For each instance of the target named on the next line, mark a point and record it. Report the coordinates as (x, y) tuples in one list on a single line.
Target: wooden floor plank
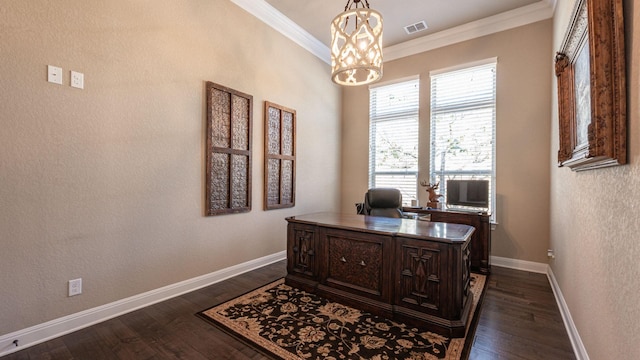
[(519, 320), (53, 349), (86, 344), (124, 342), (159, 337)]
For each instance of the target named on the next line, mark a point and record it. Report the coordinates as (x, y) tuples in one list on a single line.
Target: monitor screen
[(473, 193)]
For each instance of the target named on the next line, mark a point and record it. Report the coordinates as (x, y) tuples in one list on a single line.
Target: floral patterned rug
[(292, 324)]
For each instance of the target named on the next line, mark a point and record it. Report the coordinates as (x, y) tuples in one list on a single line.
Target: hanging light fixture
[(356, 45)]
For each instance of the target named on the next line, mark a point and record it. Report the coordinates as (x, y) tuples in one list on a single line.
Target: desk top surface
[(418, 229)]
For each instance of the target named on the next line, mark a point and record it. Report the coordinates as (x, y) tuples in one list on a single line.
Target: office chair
[(385, 202)]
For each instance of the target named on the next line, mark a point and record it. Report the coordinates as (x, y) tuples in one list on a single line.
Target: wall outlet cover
[(75, 287), (77, 79)]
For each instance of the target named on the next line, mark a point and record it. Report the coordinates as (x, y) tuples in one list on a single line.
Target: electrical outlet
[(75, 287), (77, 79), (551, 254)]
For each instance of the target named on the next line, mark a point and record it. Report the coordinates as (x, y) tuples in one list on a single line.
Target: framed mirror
[(590, 70)]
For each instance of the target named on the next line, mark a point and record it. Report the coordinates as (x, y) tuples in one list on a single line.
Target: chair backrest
[(384, 202)]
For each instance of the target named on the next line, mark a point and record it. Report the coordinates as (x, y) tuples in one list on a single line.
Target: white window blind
[(393, 137), (463, 126)]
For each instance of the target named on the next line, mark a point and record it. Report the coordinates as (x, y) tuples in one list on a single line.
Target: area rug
[(288, 323)]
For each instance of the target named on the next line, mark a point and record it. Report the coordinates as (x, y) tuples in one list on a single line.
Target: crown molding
[(525, 15), (272, 17)]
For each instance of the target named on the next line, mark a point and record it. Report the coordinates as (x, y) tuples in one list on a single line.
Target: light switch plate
[(77, 79), (54, 74)]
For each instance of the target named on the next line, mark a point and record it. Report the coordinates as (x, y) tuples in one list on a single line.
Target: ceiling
[(448, 21)]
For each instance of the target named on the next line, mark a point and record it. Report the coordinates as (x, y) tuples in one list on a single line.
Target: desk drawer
[(358, 263)]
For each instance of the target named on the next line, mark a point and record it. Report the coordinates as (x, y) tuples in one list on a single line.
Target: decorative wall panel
[(280, 159), (228, 178)]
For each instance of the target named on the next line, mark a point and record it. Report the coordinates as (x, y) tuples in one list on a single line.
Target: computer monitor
[(471, 193)]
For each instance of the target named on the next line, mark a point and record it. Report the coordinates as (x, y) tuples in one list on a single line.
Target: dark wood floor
[(519, 319)]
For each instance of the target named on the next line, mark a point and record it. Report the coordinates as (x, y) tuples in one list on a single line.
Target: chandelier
[(356, 45)]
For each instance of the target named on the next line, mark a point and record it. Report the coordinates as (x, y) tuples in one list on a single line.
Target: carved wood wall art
[(590, 71), (280, 156), (228, 178)]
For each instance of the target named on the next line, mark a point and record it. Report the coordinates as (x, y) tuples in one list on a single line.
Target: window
[(393, 137), (463, 126)]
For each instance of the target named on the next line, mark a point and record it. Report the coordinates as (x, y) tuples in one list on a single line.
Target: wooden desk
[(480, 240), (413, 271)]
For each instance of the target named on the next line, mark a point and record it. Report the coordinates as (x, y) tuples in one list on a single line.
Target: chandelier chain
[(351, 2)]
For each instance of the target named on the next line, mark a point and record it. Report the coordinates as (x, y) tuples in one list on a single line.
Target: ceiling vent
[(414, 28)]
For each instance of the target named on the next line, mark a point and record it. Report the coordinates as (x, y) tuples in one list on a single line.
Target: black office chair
[(385, 202)]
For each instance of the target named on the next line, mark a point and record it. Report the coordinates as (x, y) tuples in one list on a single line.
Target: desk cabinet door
[(422, 282), (480, 240), (302, 250)]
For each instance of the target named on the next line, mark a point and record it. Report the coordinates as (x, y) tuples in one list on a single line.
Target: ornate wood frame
[(590, 69), (229, 136), (279, 156)]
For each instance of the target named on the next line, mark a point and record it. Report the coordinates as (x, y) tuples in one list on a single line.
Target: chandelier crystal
[(356, 45)]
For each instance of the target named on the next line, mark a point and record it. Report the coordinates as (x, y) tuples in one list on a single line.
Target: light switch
[(77, 80), (54, 74)]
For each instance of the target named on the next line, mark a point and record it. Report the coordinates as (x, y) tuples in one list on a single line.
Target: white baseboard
[(517, 264), (576, 342), (64, 325)]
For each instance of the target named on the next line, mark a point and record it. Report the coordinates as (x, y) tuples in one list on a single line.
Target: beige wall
[(106, 183), (523, 120), (595, 224)]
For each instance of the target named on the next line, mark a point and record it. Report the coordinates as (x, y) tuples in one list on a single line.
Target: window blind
[(463, 126), (393, 137)]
